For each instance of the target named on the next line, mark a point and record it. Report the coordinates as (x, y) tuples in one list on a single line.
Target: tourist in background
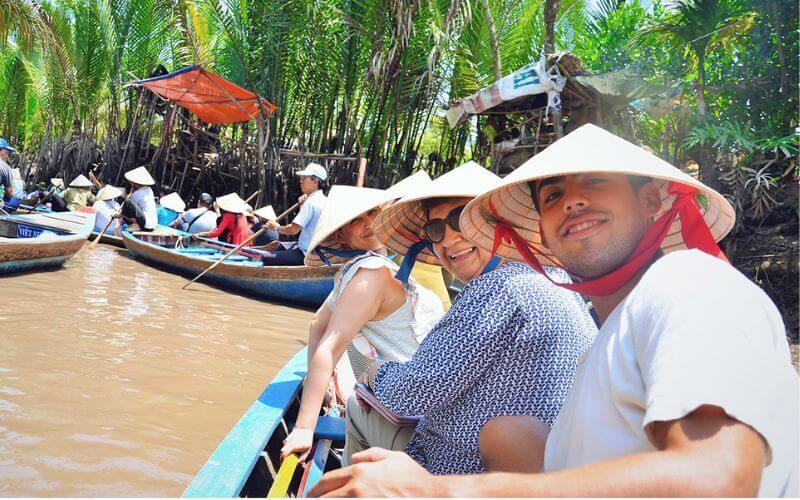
[(140, 205), (106, 207), (201, 219), (312, 183), (232, 227)]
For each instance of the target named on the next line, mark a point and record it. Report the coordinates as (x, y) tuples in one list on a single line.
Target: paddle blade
[(283, 478)]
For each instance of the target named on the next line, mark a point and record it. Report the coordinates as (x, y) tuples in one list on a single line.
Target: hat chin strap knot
[(694, 230)]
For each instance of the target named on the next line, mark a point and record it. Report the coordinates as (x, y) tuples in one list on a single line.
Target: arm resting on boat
[(706, 453), (357, 305)]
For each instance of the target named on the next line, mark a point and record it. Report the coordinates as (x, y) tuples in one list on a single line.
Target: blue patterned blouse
[(508, 346)]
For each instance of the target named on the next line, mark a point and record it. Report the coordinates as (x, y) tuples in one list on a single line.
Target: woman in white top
[(369, 313), (106, 207)]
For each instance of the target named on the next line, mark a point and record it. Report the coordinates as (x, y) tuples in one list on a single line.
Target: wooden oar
[(252, 196), (239, 246), (280, 486)]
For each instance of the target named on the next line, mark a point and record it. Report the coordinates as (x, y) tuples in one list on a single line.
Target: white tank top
[(397, 336)]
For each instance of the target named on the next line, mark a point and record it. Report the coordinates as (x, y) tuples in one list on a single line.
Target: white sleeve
[(705, 335), (304, 215)]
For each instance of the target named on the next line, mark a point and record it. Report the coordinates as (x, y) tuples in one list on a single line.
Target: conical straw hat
[(232, 203), (344, 203), (399, 226), (16, 174), (409, 185), (80, 182), (109, 192), (140, 176), (57, 182), (587, 149), (174, 202), (266, 212)]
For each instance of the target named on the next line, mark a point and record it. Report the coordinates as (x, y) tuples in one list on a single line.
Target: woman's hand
[(299, 441)]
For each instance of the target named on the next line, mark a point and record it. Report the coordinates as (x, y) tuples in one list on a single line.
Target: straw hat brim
[(109, 193), (140, 176), (266, 212), (232, 203), (173, 202), (343, 205), (400, 225), (80, 182), (587, 150)]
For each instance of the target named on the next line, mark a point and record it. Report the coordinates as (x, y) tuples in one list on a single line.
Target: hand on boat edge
[(299, 442)]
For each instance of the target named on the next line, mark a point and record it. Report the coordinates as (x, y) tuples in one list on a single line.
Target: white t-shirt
[(307, 218), (693, 332), (105, 211), (202, 220), (144, 198)]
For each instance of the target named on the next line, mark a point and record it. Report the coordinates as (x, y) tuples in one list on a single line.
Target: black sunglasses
[(435, 228)]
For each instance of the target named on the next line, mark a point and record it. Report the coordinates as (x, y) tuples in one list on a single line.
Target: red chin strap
[(694, 230)]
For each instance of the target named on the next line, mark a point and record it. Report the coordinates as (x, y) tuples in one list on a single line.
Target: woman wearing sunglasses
[(508, 346)]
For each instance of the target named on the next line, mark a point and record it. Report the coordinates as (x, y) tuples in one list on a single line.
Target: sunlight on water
[(115, 382)]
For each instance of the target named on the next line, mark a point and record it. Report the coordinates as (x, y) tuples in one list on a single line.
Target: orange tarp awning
[(212, 98)]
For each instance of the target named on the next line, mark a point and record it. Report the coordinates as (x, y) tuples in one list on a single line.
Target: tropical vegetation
[(370, 78)]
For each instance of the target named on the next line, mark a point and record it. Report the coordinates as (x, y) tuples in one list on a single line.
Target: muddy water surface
[(115, 382)]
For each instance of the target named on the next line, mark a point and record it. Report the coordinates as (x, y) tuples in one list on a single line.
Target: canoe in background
[(38, 241), (247, 461), (243, 271)]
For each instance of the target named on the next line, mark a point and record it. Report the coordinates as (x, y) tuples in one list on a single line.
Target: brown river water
[(115, 382)]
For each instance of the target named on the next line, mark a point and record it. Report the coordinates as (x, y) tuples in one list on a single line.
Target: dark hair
[(636, 182)]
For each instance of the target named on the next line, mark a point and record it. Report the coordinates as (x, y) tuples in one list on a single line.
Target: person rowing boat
[(140, 205)]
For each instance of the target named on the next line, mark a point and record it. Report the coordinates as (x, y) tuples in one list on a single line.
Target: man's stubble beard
[(592, 262)]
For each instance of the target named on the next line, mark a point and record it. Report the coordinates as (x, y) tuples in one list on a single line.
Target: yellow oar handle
[(280, 487)]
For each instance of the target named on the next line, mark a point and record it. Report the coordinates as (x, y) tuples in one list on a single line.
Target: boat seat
[(332, 428)]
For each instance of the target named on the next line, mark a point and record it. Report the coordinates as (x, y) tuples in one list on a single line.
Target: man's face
[(592, 222), (359, 234), (307, 184), (4, 154), (457, 254)]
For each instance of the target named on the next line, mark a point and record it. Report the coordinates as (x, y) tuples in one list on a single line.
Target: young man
[(688, 389), (312, 180), (508, 346)]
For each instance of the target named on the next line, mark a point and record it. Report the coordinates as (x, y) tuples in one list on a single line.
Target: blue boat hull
[(296, 284)]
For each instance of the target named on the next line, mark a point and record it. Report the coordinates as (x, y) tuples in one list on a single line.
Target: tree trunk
[(498, 68), (550, 14), (779, 45), (700, 86)]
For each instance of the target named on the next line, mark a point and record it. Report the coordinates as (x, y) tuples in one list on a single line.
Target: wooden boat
[(243, 271), (35, 241), (247, 461)]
